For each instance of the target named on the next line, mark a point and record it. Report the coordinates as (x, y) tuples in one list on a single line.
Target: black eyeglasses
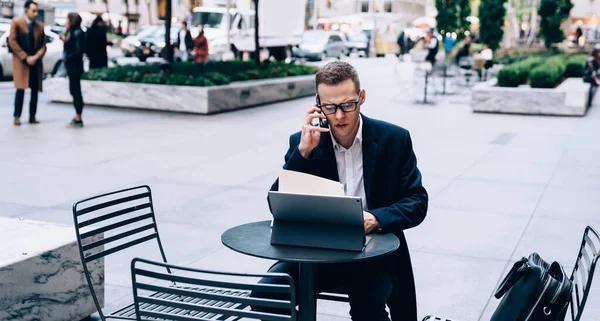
[(330, 109)]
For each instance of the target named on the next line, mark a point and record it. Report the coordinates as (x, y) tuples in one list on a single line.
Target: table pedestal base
[(307, 299)]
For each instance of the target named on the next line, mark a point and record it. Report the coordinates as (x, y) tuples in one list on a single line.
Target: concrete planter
[(187, 99), (568, 99)]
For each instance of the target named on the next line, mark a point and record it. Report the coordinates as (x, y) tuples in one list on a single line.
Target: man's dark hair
[(28, 3), (335, 73), (184, 23)]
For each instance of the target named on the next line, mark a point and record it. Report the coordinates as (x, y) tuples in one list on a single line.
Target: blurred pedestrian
[(27, 42), (401, 45), (74, 40), (96, 42), (591, 72), (184, 43), (464, 51), (432, 46), (200, 47), (578, 34)]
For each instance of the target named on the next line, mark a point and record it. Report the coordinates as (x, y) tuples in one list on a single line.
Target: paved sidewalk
[(501, 186)]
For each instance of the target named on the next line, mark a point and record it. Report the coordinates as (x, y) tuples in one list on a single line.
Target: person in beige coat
[(27, 42)]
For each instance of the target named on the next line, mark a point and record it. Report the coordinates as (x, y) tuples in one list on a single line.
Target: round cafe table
[(254, 239)]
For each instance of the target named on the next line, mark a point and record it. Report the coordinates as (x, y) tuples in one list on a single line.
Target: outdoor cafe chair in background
[(110, 223), (582, 275), (192, 294)]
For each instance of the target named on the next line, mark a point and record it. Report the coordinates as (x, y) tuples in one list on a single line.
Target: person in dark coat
[(74, 40), (432, 47), (95, 44), (401, 45), (184, 43), (374, 160)]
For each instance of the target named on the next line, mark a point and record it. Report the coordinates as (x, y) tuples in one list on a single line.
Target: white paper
[(301, 183)]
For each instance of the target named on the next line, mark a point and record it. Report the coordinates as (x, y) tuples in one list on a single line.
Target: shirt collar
[(358, 138), (27, 20)]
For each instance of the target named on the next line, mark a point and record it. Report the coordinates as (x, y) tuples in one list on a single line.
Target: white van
[(281, 26)]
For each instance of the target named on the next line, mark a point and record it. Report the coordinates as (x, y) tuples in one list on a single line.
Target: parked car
[(51, 60), (129, 43), (358, 42), (151, 43), (320, 44)]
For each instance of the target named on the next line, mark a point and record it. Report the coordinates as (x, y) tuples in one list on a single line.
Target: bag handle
[(517, 271)]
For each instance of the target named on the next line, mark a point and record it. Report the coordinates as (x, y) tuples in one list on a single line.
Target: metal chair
[(171, 296), (582, 275), (110, 223)]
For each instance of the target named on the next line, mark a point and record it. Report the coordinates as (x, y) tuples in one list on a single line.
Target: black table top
[(254, 239)]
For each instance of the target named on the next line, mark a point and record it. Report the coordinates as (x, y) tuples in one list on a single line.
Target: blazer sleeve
[(42, 51), (294, 161), (411, 207), (14, 44)]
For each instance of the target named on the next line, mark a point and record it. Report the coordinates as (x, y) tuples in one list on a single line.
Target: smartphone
[(322, 123)]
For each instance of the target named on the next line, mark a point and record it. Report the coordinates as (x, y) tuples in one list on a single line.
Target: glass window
[(208, 19), (336, 38), (387, 6), (364, 6)]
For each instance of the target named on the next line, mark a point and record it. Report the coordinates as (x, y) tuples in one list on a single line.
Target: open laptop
[(330, 222)]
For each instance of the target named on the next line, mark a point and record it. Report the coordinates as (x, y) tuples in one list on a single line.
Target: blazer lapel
[(369, 156)]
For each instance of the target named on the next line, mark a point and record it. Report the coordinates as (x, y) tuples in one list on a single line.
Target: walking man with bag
[(27, 42)]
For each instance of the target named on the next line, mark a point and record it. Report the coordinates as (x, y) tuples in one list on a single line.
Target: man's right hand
[(31, 60), (311, 135)]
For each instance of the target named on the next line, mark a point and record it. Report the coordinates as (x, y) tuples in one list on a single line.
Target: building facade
[(138, 12), (383, 12)]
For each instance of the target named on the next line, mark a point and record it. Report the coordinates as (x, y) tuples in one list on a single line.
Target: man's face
[(183, 27), (32, 12), (342, 124)]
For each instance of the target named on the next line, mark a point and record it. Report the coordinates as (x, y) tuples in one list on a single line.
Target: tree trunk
[(256, 42)]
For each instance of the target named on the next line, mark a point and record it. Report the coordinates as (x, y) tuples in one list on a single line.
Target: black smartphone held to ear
[(322, 123)]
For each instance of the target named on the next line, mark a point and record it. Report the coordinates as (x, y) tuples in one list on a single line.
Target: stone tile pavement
[(501, 186)]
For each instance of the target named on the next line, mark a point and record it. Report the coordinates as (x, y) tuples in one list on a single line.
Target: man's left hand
[(371, 222)]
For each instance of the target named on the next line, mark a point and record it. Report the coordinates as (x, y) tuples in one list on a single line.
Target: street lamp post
[(169, 51)]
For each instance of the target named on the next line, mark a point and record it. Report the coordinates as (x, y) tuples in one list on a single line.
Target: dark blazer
[(73, 52), (393, 191)]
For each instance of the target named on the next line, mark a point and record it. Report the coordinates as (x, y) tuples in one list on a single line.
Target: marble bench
[(41, 276), (567, 99)]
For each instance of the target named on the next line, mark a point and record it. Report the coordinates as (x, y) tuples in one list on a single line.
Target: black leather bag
[(534, 290)]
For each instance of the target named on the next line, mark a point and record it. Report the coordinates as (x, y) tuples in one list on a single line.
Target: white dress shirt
[(350, 166), (182, 45), (487, 54)]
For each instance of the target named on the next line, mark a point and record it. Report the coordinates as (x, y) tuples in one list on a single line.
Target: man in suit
[(27, 41), (374, 160)]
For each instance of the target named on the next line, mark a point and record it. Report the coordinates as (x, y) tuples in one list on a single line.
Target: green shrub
[(191, 74), (575, 65), (549, 73), (517, 74)]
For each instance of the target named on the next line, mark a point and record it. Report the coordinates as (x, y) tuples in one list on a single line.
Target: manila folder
[(302, 183)]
